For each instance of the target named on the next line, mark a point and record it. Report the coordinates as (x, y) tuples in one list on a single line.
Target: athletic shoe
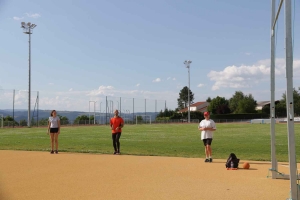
[(56, 151), (52, 152), (206, 160), (210, 160), (115, 153), (118, 153)]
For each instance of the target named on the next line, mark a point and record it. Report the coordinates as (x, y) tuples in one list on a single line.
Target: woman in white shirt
[(54, 129)]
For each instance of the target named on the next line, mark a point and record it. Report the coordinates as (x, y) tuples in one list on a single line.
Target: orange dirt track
[(42, 176)]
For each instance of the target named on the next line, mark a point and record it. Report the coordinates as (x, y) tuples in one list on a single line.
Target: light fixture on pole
[(27, 28), (187, 64)]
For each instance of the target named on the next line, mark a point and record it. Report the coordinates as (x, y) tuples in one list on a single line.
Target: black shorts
[(53, 130), (207, 141)]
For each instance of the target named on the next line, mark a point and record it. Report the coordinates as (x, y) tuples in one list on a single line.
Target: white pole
[(95, 112), (29, 80), (1, 120), (100, 114), (289, 99), (89, 112), (272, 104), (189, 111)]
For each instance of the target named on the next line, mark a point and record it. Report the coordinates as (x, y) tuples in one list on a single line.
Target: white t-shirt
[(54, 122), (207, 124)]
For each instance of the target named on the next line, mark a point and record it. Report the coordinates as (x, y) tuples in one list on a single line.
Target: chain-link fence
[(13, 102)]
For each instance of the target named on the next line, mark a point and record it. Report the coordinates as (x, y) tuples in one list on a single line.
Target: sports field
[(86, 169), (248, 141)]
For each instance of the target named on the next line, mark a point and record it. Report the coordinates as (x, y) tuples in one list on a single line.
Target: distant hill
[(71, 115)]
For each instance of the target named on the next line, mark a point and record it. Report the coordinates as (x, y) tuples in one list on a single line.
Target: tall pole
[(187, 63), (289, 99), (272, 104), (89, 112), (29, 82), (28, 30), (95, 112), (13, 108), (100, 114)]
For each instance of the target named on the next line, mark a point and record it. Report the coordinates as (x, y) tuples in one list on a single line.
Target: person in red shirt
[(116, 124)]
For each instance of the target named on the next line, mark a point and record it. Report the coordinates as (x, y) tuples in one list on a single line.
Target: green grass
[(248, 141)]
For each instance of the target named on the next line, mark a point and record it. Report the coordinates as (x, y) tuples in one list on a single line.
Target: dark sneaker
[(118, 153), (115, 153), (52, 152), (206, 160), (56, 151), (210, 160)]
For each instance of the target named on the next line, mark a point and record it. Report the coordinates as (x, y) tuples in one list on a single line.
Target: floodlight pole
[(28, 30), (187, 64)]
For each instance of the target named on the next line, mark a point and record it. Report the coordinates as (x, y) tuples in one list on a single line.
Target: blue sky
[(86, 50)]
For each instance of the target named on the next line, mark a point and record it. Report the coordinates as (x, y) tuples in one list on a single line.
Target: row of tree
[(239, 103)]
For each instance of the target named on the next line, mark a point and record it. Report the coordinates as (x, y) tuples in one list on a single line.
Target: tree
[(64, 119), (247, 105), (234, 100), (280, 109), (208, 99), (240, 103), (43, 122), (218, 105), (182, 101), (82, 119), (10, 120), (165, 113)]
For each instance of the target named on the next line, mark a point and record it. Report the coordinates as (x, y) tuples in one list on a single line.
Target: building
[(198, 106), (261, 104)]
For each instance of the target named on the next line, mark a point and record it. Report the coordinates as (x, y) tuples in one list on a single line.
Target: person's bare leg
[(52, 141), (56, 141)]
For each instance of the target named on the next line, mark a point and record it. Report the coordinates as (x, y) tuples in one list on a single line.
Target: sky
[(132, 52)]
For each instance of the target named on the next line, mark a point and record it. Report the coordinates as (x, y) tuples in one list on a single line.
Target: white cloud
[(102, 90), (71, 89), (200, 85), (33, 15), (156, 80), (174, 79), (137, 85), (246, 76), (18, 18)]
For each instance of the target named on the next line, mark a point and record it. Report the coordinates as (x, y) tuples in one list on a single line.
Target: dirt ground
[(42, 176)]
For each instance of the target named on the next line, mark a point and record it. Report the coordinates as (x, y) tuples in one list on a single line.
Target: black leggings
[(116, 142)]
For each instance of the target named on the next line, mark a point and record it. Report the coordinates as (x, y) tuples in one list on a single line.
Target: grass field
[(248, 141)]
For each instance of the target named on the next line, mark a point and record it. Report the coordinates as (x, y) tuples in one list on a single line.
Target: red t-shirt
[(116, 122)]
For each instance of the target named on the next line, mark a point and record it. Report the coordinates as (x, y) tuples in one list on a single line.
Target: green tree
[(234, 100), (82, 119), (246, 105), (280, 108), (10, 120), (23, 122), (63, 119), (218, 105), (43, 122), (208, 99), (240, 103), (182, 101)]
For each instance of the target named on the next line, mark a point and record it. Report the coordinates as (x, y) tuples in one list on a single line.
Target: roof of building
[(193, 105)]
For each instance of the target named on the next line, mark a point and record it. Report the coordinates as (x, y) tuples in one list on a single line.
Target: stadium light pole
[(27, 29), (187, 64)]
